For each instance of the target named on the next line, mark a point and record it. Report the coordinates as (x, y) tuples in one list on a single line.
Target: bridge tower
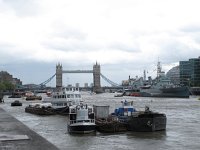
[(96, 78), (59, 75)]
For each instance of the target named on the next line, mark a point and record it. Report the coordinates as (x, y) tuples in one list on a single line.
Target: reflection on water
[(147, 135), (183, 119)]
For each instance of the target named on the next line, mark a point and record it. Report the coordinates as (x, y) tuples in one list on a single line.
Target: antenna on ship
[(144, 75), (159, 68)]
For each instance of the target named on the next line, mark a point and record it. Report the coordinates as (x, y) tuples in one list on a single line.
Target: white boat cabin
[(65, 97)]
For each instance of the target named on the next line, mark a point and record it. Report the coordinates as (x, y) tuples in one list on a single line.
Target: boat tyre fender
[(77, 107), (149, 123)]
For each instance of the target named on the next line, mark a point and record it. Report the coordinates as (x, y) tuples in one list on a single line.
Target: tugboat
[(16, 103), (140, 121), (81, 119)]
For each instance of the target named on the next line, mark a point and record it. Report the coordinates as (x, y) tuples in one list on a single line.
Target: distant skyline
[(125, 36)]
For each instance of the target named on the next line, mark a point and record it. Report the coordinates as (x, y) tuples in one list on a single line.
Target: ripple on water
[(183, 119)]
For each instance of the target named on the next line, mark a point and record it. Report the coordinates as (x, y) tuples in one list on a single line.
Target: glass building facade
[(174, 75), (190, 72)]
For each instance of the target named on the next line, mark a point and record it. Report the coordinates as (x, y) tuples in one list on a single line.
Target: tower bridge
[(96, 76)]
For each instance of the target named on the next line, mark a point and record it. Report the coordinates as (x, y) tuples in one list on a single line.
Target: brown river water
[(182, 132)]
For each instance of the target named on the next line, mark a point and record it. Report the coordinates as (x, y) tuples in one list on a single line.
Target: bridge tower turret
[(96, 77), (58, 75)]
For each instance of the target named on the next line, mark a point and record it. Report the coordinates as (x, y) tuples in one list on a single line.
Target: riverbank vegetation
[(6, 86)]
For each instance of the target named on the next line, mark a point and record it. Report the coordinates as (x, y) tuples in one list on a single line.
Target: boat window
[(59, 104), (72, 110), (63, 96), (54, 104), (89, 110), (71, 96), (68, 96), (77, 95), (83, 121)]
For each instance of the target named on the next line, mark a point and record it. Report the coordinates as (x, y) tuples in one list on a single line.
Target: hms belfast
[(161, 86)]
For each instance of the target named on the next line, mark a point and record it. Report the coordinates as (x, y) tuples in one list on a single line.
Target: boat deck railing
[(77, 121)]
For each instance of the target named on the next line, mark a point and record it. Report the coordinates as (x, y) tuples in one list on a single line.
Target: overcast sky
[(124, 36)]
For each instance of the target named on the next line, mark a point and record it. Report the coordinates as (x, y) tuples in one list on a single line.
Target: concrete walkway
[(14, 135)]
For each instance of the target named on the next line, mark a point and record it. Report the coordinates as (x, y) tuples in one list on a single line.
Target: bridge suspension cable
[(109, 81), (47, 81)]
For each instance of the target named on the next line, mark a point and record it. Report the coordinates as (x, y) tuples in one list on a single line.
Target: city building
[(77, 85), (5, 76), (190, 72), (86, 85), (174, 75)]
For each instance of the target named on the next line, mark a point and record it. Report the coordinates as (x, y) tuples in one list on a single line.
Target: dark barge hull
[(31, 98), (40, 111), (16, 104), (110, 127), (62, 110), (147, 123)]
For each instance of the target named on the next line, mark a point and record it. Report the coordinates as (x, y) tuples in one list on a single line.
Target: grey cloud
[(174, 51), (193, 31), (70, 34), (23, 8), (5, 52), (67, 39), (68, 45), (191, 28), (124, 47)]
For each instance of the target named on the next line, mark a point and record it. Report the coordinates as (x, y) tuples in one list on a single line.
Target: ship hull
[(147, 123), (110, 126), (40, 111), (81, 128), (176, 92)]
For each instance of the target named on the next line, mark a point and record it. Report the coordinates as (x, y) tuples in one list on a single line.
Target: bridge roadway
[(14, 135), (77, 71)]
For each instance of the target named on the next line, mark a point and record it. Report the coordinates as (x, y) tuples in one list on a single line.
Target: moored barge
[(141, 121), (146, 121), (40, 109)]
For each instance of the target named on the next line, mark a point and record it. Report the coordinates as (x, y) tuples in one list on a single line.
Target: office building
[(190, 72)]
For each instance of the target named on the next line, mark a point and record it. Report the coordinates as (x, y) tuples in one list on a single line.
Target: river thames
[(182, 132)]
